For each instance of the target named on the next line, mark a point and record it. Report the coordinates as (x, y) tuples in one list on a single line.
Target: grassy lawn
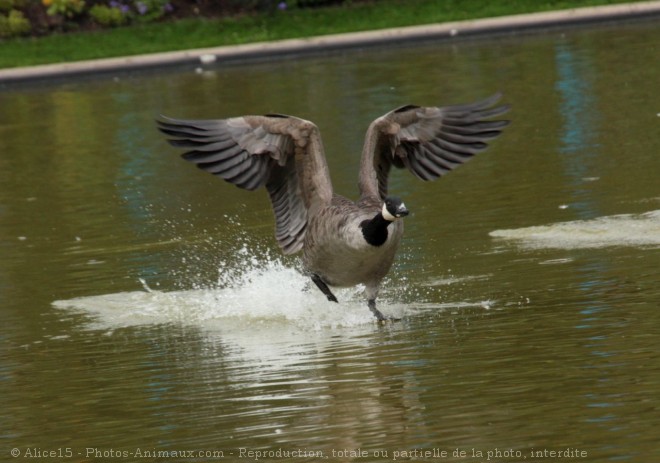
[(295, 23)]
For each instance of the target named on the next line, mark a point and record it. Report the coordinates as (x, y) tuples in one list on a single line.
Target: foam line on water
[(637, 230)]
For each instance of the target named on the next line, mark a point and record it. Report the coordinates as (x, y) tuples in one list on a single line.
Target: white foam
[(248, 294), (260, 313), (452, 280), (640, 230), (259, 306)]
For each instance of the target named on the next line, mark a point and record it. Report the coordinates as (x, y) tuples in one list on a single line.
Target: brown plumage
[(344, 243)]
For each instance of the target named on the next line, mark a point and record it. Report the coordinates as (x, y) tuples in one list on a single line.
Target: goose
[(344, 243)]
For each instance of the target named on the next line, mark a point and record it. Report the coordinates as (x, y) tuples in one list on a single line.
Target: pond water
[(146, 308)]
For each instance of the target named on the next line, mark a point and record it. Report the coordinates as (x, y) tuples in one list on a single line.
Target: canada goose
[(344, 243)]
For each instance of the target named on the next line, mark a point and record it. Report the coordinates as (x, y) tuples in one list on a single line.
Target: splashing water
[(259, 289), (253, 289)]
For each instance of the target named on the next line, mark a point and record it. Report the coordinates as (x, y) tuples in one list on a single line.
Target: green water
[(145, 307)]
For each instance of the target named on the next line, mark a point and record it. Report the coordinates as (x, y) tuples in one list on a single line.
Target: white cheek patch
[(386, 214)]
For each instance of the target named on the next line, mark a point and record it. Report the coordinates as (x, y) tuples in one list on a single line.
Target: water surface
[(145, 305)]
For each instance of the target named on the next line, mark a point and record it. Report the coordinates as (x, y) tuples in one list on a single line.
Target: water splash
[(253, 289), (639, 230), (260, 289)]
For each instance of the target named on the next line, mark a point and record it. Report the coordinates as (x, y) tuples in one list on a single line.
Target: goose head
[(393, 209)]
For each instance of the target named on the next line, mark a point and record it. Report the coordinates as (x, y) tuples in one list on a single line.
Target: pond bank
[(459, 30)]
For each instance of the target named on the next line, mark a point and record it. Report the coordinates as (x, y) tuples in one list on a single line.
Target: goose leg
[(323, 287), (371, 292), (377, 313)]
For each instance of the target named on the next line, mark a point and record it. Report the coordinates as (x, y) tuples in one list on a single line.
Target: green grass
[(199, 33)]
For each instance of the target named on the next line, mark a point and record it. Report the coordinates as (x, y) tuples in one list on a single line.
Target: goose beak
[(402, 211)]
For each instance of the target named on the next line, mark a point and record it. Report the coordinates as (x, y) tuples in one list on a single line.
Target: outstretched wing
[(282, 153), (429, 142)]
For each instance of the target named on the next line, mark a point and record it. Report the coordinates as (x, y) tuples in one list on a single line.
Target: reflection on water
[(146, 306), (579, 153)]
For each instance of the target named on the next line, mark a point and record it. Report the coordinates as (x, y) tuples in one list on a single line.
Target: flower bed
[(41, 17)]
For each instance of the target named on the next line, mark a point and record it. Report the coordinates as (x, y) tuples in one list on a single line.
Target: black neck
[(375, 230)]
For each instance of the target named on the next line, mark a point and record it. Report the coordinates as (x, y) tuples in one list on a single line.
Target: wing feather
[(282, 153), (428, 141)]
